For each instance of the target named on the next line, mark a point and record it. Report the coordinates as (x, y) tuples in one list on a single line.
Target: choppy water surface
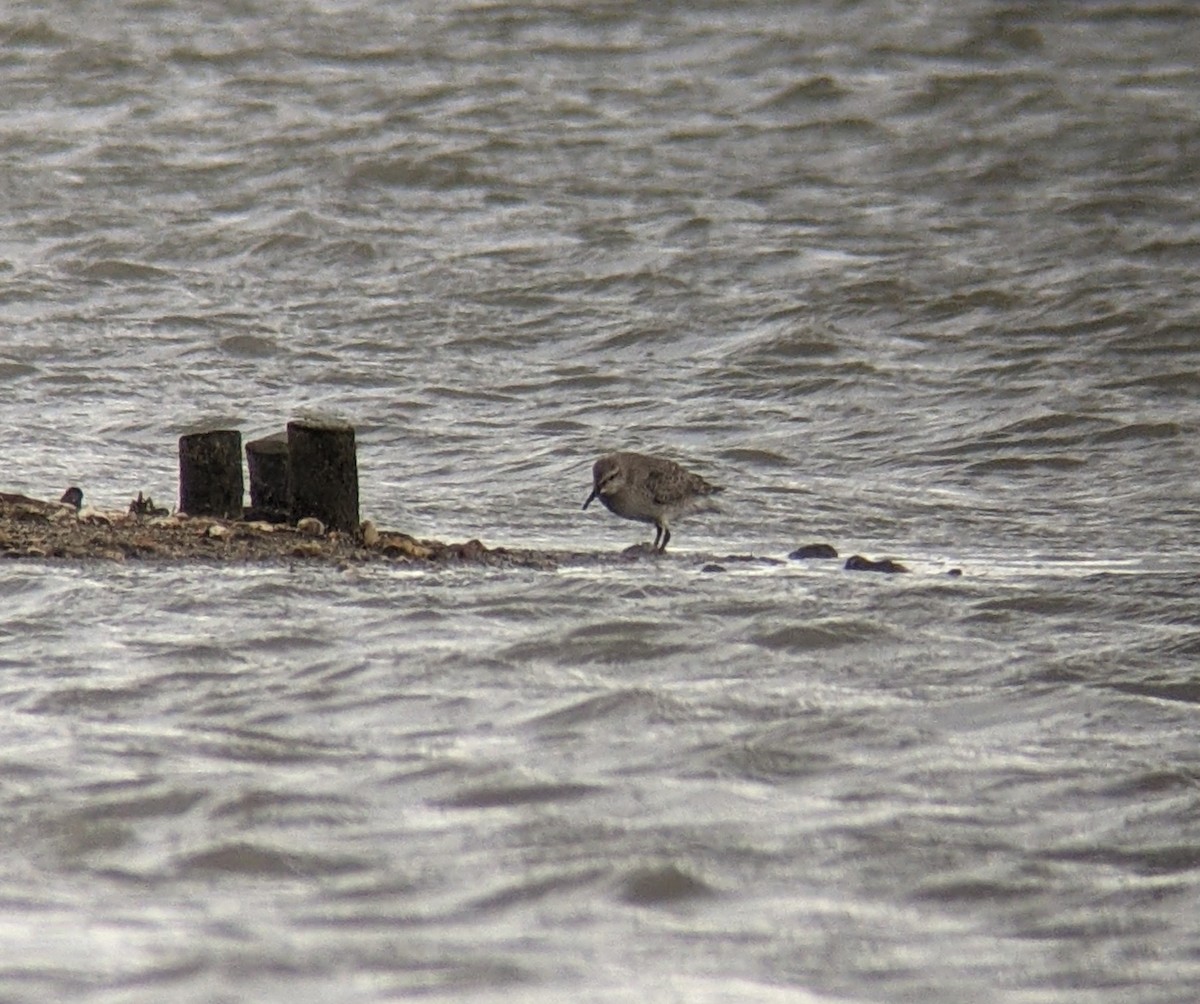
[(917, 279)]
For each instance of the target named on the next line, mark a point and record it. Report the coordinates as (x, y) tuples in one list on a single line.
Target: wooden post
[(323, 473), (267, 462), (210, 474)]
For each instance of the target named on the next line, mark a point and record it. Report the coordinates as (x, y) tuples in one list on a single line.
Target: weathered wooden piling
[(210, 474), (267, 462), (323, 473)]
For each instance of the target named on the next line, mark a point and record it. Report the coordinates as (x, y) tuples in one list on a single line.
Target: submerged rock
[(857, 563), (814, 551)]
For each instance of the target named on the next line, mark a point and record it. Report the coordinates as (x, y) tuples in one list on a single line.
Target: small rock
[(73, 497), (401, 545), (640, 550), (857, 563), (472, 550), (311, 526), (370, 533), (218, 531), (814, 551)]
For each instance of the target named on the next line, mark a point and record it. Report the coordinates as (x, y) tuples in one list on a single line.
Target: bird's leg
[(662, 533)]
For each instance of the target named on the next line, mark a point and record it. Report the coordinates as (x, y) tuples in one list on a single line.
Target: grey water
[(916, 279)]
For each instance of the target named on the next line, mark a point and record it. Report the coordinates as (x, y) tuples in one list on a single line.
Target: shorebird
[(647, 489)]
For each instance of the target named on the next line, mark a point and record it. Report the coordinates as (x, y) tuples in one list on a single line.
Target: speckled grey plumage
[(647, 489)]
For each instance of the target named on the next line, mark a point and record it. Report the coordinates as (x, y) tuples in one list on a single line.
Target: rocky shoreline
[(33, 528), (36, 529)]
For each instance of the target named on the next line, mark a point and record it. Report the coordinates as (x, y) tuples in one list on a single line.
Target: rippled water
[(917, 279)]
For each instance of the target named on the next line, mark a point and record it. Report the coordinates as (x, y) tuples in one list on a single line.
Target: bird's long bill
[(590, 498)]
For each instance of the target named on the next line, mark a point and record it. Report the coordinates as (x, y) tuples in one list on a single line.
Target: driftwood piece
[(323, 473), (210, 474), (267, 462)]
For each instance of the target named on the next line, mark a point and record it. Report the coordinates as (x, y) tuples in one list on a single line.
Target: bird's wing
[(658, 484)]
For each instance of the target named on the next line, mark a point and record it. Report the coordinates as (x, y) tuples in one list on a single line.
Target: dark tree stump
[(267, 462), (210, 474), (323, 473)]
